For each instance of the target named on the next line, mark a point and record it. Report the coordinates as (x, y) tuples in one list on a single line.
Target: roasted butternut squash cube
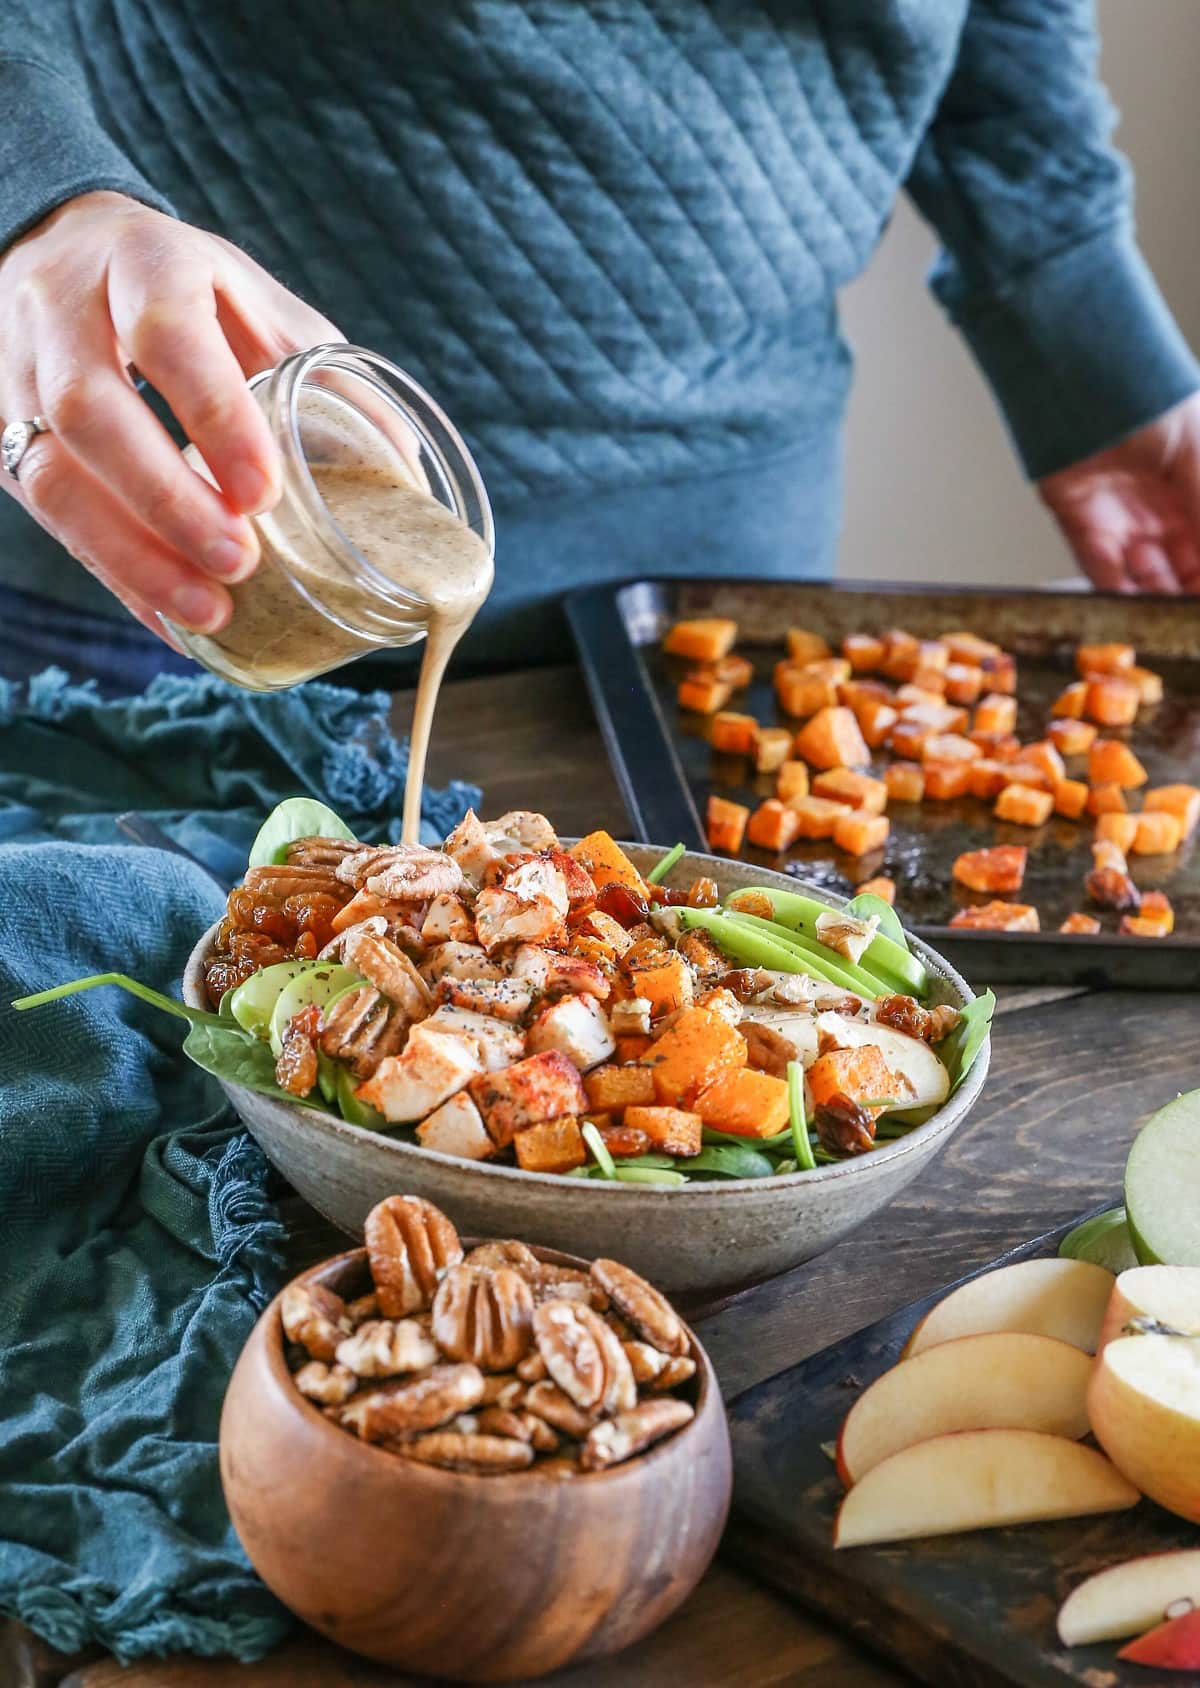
[(945, 780), (1143, 926), (969, 647), (1106, 799), (704, 694), (1112, 702), (706, 639), (907, 739), (612, 1089), (666, 987), (817, 815), (963, 682), (1116, 827), (1000, 673), (905, 782), (1110, 760), (725, 825), (804, 646), (998, 917), (1148, 683), (1024, 806), (858, 831), (1045, 756), (557, 1145), (1183, 801), (746, 1103), (1104, 659), (875, 719), (631, 1047), (791, 781), (881, 886), (935, 717), (910, 693), (998, 747), (987, 778), (607, 863), (671, 1131), (1158, 833), (929, 679), (696, 1049), (800, 693), (1070, 798), (849, 785), (832, 740), (1070, 737), (996, 713), (772, 747), (732, 733), (773, 826), (860, 1073), (1071, 703), (863, 652), (1080, 925), (1156, 917), (900, 654), (1001, 868), (949, 747)]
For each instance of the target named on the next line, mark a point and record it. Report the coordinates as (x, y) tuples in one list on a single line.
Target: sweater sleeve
[(52, 144), (1039, 265)]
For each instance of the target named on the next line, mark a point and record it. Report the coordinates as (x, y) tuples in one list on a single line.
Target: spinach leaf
[(729, 1162), (231, 1054), (156, 999), (866, 904), (958, 1051), (295, 817)]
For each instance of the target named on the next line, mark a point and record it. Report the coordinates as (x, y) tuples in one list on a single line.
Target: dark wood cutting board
[(973, 1610)]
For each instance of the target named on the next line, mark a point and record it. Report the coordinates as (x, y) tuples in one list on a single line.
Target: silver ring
[(16, 440)]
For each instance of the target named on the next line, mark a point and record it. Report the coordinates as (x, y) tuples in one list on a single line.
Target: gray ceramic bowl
[(693, 1237)]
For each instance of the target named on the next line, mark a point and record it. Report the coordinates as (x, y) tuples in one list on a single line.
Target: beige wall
[(932, 488)]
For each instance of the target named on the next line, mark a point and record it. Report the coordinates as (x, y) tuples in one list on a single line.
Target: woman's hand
[(1132, 514), (104, 283)]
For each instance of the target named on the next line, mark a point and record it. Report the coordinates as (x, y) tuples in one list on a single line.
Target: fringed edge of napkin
[(249, 1240)]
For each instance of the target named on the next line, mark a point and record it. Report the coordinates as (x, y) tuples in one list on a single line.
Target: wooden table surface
[(1072, 1073)]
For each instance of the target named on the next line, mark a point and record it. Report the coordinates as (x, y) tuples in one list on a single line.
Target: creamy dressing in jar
[(359, 554)]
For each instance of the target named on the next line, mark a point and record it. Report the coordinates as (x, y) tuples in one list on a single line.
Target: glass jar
[(375, 479)]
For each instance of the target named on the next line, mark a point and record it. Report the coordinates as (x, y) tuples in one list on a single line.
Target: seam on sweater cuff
[(53, 148), (1081, 351)]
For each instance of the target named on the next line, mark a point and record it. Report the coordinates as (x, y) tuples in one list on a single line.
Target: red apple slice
[(1172, 1646), (1001, 1380), (1126, 1599), (1062, 1298), (976, 1479), (1144, 1404)]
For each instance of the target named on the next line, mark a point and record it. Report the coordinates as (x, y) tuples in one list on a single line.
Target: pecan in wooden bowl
[(477, 1462)]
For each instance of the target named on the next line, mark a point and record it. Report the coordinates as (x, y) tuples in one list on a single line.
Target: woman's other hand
[(1132, 514), (105, 283)]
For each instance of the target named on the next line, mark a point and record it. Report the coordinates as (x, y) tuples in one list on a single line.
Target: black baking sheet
[(667, 769)]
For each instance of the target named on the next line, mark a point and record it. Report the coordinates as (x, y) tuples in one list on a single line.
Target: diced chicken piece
[(631, 1017), (459, 961), (362, 1028), (362, 906), (542, 1087), (497, 1044), (578, 1027), (581, 887), (507, 999), (408, 872), (389, 970), (434, 1066), (606, 930), (501, 918), (547, 971), (846, 934), (457, 1128), (520, 829), (538, 878), (471, 848), (447, 920)]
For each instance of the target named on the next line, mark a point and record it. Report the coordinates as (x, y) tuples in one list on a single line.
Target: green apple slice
[(1103, 1239), (253, 1002), (319, 984), (1162, 1185), (352, 1110)]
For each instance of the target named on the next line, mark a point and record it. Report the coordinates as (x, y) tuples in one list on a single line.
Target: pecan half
[(385, 1347), (293, 880), (767, 1050), (483, 1455), (521, 1426), (410, 1244), (508, 1252), (485, 1316), (315, 1317), (361, 1028), (650, 1314), (583, 1356), (678, 1369), (362, 1308), (942, 1021), (566, 1283), (646, 1361), (547, 1401), (532, 1368), (614, 1440), (414, 1404), (409, 872), (843, 1126), (330, 1385), (559, 1469), (503, 1389), (320, 852)]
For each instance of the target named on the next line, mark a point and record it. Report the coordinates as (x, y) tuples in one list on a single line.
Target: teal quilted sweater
[(610, 236)]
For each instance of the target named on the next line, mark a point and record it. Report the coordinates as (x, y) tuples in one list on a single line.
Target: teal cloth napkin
[(139, 1238)]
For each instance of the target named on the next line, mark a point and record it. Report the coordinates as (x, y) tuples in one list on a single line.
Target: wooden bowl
[(479, 1579), (697, 1237)]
